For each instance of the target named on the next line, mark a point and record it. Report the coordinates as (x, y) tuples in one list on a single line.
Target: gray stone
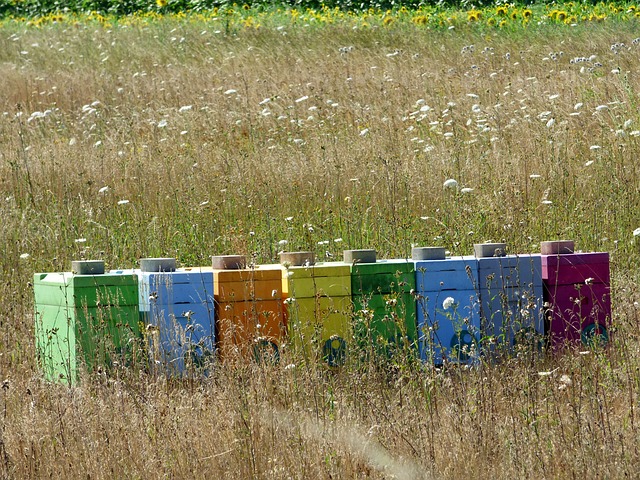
[(359, 256), (483, 250), (158, 264), (557, 247), (296, 259), (428, 253), (229, 262), (87, 267)]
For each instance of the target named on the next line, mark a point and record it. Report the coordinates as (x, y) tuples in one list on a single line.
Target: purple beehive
[(577, 292)]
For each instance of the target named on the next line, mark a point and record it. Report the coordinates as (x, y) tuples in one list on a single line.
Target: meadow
[(257, 131)]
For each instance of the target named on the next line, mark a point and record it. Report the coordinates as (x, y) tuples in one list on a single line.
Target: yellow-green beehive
[(318, 297)]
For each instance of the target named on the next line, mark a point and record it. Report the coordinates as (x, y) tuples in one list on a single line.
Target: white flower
[(595, 147), (282, 243), (24, 256), (533, 176), (450, 183), (547, 202), (80, 240), (337, 240), (448, 303), (123, 202)]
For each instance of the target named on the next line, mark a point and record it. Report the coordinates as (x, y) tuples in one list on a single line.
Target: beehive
[(383, 302), (448, 308), (84, 319), (318, 298), (510, 297), (577, 292), (250, 320), (177, 307)]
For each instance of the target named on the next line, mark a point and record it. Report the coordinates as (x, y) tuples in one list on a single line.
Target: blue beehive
[(510, 296), (448, 308), (177, 309)]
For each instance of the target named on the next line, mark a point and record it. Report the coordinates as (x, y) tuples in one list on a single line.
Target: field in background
[(180, 137)]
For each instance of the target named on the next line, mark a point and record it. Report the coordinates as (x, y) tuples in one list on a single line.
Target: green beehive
[(85, 317), (383, 301)]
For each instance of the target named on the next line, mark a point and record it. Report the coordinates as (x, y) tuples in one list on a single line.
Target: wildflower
[(450, 183), (448, 303), (161, 3), (474, 15), (421, 20)]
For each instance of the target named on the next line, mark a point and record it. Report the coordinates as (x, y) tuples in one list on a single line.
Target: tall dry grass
[(351, 151)]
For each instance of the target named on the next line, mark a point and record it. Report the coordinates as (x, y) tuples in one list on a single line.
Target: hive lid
[(360, 256), (87, 267), (158, 264), (229, 262), (485, 250), (557, 247), (428, 253), (297, 259)]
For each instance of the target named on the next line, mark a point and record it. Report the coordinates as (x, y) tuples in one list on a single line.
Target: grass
[(327, 139)]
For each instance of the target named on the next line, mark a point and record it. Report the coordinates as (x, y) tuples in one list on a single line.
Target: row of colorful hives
[(453, 309)]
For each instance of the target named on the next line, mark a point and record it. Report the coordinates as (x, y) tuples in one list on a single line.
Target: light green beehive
[(83, 318)]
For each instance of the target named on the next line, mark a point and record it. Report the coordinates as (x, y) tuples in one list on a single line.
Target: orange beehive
[(250, 320)]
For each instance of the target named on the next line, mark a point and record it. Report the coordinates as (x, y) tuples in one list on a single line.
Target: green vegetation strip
[(233, 16)]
